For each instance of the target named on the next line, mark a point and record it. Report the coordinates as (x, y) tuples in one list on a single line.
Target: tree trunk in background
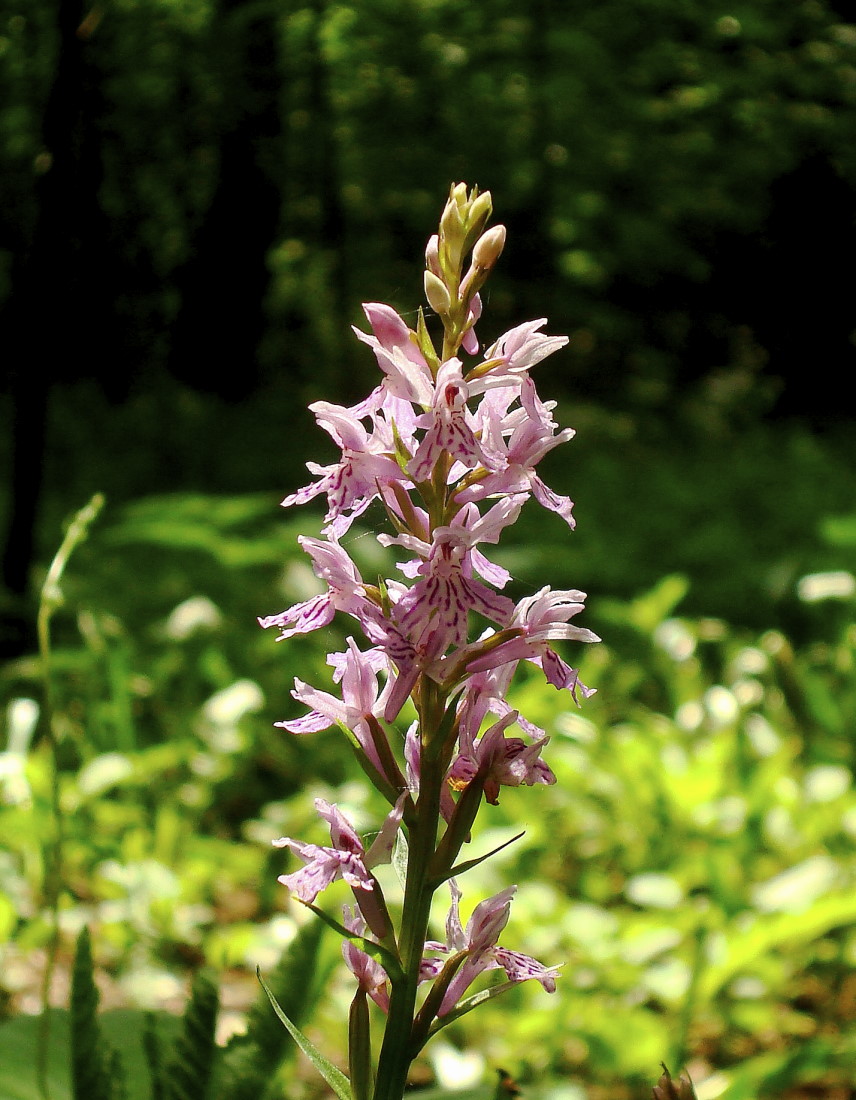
[(532, 257), (325, 181), (56, 316), (804, 319), (313, 215), (223, 286)]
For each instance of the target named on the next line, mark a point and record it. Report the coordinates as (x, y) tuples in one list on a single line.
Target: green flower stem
[(396, 1050), (50, 600)]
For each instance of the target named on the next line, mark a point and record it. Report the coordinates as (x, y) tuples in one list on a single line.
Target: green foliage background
[(200, 193), (197, 196)]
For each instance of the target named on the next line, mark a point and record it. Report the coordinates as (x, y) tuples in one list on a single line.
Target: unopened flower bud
[(436, 293), (480, 210), (452, 225), (466, 288), (488, 247), (432, 255), (359, 1044), (458, 194)]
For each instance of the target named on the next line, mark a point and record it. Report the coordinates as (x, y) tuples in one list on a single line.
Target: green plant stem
[(396, 1049), (50, 599)]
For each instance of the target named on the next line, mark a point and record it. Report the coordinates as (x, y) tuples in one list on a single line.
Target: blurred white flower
[(194, 614), (835, 585)]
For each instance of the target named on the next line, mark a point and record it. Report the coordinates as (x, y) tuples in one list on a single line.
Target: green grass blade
[(50, 599)]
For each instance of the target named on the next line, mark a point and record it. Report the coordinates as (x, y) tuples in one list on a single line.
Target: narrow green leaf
[(425, 343), (334, 1077), (468, 1005), (468, 865), (387, 789), (374, 950), (402, 454)]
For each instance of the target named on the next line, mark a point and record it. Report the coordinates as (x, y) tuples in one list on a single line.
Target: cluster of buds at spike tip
[(451, 292), (448, 449)]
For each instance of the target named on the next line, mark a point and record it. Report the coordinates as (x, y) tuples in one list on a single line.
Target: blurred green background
[(197, 195)]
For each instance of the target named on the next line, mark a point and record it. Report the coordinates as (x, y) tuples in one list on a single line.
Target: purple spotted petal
[(521, 968)]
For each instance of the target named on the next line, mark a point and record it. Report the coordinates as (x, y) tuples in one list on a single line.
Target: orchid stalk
[(448, 444)]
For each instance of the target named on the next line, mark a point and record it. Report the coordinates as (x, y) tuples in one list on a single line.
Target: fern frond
[(250, 1059), (154, 1056), (189, 1070), (96, 1068)]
